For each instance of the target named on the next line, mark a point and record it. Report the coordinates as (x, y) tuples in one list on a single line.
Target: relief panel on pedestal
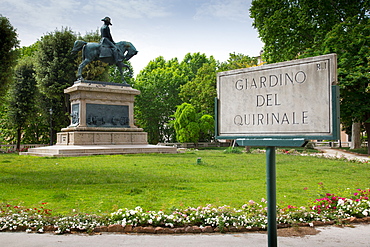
[(100, 115)]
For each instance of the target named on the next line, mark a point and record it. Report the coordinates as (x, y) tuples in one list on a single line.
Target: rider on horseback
[(106, 51), (107, 41)]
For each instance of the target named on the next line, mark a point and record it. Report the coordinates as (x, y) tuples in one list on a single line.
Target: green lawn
[(102, 184)]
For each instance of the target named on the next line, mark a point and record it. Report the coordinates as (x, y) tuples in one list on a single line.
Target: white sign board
[(291, 98)]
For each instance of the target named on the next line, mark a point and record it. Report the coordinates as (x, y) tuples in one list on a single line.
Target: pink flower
[(305, 188)]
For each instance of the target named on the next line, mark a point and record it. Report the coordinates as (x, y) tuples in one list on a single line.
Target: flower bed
[(331, 209)]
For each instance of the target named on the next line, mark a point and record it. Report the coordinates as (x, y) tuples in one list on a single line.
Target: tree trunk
[(356, 136), (367, 129), (19, 137)]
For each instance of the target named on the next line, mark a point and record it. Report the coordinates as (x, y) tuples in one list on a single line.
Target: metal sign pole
[(271, 196), (277, 114)]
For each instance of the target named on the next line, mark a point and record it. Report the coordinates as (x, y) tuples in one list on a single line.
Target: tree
[(207, 128), (292, 29), (159, 83), (190, 127), (165, 84), (351, 41), (28, 51), (186, 123), (193, 62), (55, 71), (289, 27), (201, 91), (22, 97), (355, 136), (238, 61), (36, 126), (8, 54)]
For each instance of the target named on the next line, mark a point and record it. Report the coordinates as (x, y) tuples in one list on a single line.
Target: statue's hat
[(107, 19)]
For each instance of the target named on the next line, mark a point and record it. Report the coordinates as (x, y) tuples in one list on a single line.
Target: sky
[(168, 28)]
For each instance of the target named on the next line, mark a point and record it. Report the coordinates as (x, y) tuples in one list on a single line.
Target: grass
[(103, 184)]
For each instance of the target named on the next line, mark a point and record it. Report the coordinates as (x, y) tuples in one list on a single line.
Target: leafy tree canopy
[(289, 27), (201, 91), (55, 66), (8, 53), (351, 41), (55, 71), (207, 128), (28, 51), (159, 84), (238, 61), (186, 123), (22, 96), (193, 62)]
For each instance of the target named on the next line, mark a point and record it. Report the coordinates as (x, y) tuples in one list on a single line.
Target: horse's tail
[(83, 52), (78, 45)]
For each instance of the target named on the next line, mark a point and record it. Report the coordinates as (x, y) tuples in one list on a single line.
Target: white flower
[(340, 201), (169, 224)]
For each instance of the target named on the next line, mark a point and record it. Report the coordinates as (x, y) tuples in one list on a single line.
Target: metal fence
[(198, 145), (12, 148), (338, 144)]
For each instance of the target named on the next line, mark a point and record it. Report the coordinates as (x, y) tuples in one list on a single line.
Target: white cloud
[(39, 14), (38, 17), (235, 10), (128, 9), (50, 14)]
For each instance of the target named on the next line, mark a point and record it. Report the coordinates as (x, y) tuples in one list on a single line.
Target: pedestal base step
[(102, 138), (86, 150)]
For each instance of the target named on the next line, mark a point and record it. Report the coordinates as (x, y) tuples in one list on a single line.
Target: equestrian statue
[(106, 51)]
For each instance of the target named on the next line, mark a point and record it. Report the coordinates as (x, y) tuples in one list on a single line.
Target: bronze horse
[(94, 51)]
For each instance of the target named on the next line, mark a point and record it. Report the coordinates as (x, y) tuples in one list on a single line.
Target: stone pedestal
[(102, 122), (102, 114), (101, 105)]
